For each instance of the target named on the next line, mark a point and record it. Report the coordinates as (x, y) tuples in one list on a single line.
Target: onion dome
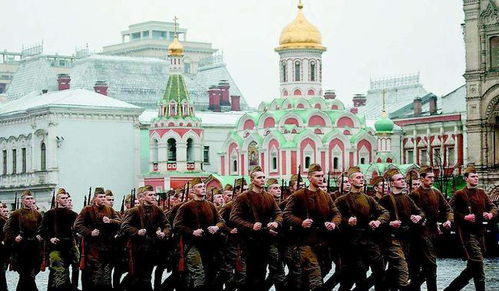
[(384, 124), (175, 48)]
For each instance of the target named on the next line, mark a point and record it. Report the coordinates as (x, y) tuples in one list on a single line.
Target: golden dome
[(300, 34), (175, 48)]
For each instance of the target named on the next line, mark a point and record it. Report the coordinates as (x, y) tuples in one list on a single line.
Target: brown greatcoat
[(401, 207), (251, 207), (195, 215), (434, 206)]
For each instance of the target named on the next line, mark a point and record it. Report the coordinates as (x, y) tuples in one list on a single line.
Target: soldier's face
[(29, 201), (62, 200), (275, 190), (199, 190), (258, 179), (398, 181), (357, 180), (100, 199), (427, 181), (218, 199), (316, 178), (346, 184), (415, 184), (70, 203), (227, 196), (149, 197), (472, 179), (110, 201)]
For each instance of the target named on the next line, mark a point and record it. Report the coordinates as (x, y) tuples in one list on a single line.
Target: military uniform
[(423, 262), (201, 254), (360, 244), (464, 202), (58, 223), (400, 207), (96, 251), (26, 254), (143, 250), (4, 254), (258, 246), (311, 244)]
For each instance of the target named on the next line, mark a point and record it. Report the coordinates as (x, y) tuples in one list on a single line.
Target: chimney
[(354, 110), (417, 106), (63, 81), (330, 94), (359, 100), (235, 103), (101, 87), (224, 86), (433, 105), (214, 99)]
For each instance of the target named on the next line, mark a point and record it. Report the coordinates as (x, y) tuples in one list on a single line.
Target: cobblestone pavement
[(447, 270)]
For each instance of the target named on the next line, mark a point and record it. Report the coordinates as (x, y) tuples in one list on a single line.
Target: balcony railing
[(28, 179)]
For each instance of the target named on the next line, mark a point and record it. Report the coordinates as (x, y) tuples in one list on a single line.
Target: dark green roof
[(176, 90)]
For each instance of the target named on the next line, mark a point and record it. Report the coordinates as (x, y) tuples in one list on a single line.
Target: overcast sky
[(365, 38)]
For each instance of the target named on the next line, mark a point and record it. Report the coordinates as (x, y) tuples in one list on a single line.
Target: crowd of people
[(251, 236)]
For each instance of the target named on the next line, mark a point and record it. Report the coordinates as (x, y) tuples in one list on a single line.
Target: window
[(297, 71), (336, 163), (284, 72), (423, 157), (4, 164), (172, 150), (234, 166), (312, 71), (410, 157), (190, 150), (450, 157), (43, 157), (494, 52), (206, 155), (14, 161), (154, 151), (145, 33), (437, 157), (362, 161), (136, 35), (23, 154), (307, 162), (273, 159), (156, 34), (187, 68)]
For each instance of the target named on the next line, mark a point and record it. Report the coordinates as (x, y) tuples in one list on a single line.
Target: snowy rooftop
[(208, 118), (74, 98)]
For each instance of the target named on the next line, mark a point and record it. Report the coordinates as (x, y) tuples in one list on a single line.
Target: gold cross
[(175, 24)]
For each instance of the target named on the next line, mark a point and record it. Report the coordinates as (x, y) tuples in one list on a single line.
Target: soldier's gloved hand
[(233, 231), (330, 225), (160, 234), (19, 238), (54, 240), (307, 223), (142, 232), (273, 225), (257, 226), (198, 232), (447, 224), (416, 218), (395, 223), (374, 224), (352, 221), (470, 217), (487, 215), (39, 237), (213, 229), (106, 219), (95, 232)]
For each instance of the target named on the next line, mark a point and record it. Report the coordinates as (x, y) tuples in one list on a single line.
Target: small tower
[(384, 131), (300, 65), (176, 136)]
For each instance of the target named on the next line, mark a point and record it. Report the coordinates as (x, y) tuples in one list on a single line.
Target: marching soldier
[(312, 215), (109, 198), (57, 231), (361, 217), (343, 185), (4, 253), (144, 225), (257, 218), (75, 265), (413, 182), (403, 215), (423, 262), (379, 186), (228, 194), (21, 235), (472, 207), (98, 224), (198, 222)]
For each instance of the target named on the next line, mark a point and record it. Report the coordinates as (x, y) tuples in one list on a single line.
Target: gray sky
[(365, 38)]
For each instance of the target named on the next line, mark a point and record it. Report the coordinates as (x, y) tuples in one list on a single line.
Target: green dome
[(384, 124)]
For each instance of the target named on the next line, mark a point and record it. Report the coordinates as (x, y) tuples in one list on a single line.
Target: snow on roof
[(208, 118), (66, 98)]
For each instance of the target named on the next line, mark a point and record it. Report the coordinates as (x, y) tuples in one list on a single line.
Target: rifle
[(186, 194), (282, 191), (132, 197), (52, 203), (122, 210), (89, 200), (341, 183), (15, 202), (234, 190), (328, 187), (84, 201), (299, 180), (212, 198), (410, 182), (383, 185)]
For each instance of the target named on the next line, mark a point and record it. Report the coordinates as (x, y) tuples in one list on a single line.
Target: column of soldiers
[(251, 237)]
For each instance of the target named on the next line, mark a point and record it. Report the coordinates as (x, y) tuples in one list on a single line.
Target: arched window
[(172, 150), (154, 151), (494, 52), (297, 71), (43, 157), (307, 162), (284, 72), (336, 163), (234, 166), (312, 71), (362, 161), (190, 150)]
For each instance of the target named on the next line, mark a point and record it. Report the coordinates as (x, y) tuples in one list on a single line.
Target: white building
[(74, 139)]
